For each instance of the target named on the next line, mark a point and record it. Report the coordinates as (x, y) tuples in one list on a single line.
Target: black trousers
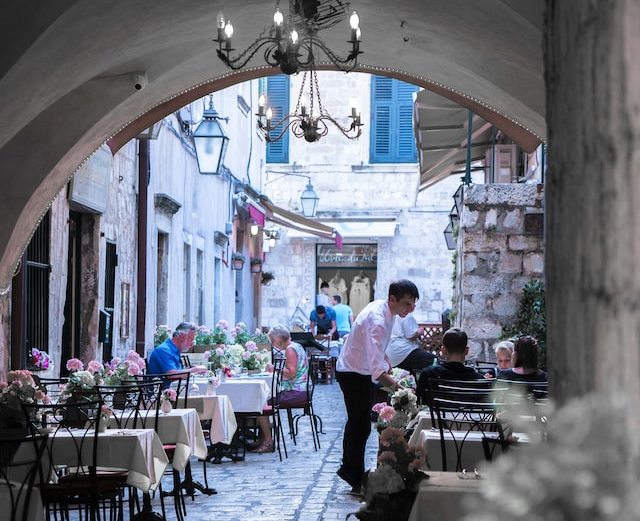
[(357, 390)]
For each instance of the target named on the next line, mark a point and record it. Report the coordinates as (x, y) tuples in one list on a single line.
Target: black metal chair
[(307, 410), (20, 460), (71, 457)]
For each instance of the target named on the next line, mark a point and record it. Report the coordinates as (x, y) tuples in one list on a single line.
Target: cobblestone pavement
[(303, 487)]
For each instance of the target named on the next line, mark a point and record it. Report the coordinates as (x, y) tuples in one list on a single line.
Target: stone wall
[(496, 258)]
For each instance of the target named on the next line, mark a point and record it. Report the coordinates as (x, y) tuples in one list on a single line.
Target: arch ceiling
[(66, 75)]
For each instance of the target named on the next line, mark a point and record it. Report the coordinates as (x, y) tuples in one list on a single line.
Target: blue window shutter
[(278, 100), (392, 137), (406, 142)]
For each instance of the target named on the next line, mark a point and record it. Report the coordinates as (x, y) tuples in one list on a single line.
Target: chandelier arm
[(243, 58), (345, 131), (339, 62), (267, 134)]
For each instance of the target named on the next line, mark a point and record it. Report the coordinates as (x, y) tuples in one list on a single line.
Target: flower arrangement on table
[(169, 394), (404, 406), (19, 389), (216, 358), (39, 360), (162, 333), (403, 377), (239, 334), (252, 359), (121, 372), (82, 382), (260, 338)]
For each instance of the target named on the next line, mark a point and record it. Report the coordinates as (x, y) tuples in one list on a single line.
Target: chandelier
[(289, 45), (309, 118)]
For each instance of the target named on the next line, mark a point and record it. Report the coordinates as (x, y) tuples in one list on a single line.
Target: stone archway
[(68, 70)]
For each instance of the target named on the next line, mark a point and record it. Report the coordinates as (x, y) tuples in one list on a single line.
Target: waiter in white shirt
[(362, 362)]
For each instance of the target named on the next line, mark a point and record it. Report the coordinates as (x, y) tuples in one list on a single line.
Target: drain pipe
[(144, 174)]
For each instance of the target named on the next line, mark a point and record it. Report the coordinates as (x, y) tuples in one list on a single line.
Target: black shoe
[(343, 475), (356, 491)]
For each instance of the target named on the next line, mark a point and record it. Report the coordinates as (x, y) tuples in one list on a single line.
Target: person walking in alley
[(362, 362)]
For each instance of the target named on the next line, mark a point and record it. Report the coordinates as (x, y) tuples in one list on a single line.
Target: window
[(278, 99), (392, 137)]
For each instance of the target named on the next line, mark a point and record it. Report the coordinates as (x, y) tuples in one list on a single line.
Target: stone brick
[(510, 263), (533, 264), (491, 219), (512, 222), (505, 305), (523, 243)]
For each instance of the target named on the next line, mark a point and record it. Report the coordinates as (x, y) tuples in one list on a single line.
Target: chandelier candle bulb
[(354, 20), (294, 37), (220, 24), (278, 18), (262, 101), (228, 32)]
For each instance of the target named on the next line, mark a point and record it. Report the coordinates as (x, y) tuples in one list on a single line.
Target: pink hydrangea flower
[(219, 351), (223, 324), (133, 369), (74, 364), (206, 355), (387, 413), (94, 366), (251, 346), (132, 355), (378, 407), (39, 395)]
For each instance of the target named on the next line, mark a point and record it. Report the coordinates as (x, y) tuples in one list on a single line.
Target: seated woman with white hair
[(293, 388), (504, 358)]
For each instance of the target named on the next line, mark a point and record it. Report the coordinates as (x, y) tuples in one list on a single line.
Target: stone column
[(592, 62)]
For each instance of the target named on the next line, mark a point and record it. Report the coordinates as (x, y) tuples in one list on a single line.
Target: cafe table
[(444, 495), (219, 411), (246, 394)]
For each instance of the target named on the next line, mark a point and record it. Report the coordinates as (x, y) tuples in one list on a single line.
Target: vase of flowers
[(38, 360), (168, 397), (19, 389), (103, 421), (252, 359)]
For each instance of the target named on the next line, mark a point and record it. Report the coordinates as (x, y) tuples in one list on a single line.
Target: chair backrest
[(460, 413), (179, 381), (20, 460), (185, 361), (52, 387), (276, 380), (528, 390)]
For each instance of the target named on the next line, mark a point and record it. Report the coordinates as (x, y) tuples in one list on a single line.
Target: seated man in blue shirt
[(165, 358), (324, 320)]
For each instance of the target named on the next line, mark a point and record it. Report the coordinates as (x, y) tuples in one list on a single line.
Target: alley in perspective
[(303, 487)]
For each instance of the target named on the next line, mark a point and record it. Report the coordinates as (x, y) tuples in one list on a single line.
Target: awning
[(360, 229), (299, 223), (257, 213), (441, 137)]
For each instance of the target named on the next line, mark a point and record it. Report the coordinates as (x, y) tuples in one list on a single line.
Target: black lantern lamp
[(256, 265), (449, 238), (454, 217), (309, 201), (210, 141), (289, 43), (458, 198)]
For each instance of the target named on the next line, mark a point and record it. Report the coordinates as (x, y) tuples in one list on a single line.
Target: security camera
[(140, 80)]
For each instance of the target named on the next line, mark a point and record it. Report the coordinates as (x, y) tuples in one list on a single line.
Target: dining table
[(246, 393), (217, 410), (445, 495)]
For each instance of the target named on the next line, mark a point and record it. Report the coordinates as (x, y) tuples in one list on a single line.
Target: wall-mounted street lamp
[(308, 198), (210, 142)]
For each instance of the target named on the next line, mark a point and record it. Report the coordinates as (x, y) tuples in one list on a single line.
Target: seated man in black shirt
[(454, 351)]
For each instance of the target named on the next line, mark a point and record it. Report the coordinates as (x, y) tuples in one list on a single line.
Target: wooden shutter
[(278, 100), (392, 137)]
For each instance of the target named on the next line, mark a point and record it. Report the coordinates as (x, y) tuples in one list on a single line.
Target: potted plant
[(267, 277), (256, 265), (237, 261)]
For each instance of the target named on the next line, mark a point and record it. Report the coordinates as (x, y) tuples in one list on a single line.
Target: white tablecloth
[(219, 410), (180, 427), (247, 394), (36, 510), (139, 451), (443, 497)]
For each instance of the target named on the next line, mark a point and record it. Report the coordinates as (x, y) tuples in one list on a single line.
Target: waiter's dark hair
[(403, 287)]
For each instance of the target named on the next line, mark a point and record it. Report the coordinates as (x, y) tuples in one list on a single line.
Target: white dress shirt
[(400, 345), (364, 349)]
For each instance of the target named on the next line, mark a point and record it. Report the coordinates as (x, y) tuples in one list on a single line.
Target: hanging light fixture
[(309, 118), (287, 41), (309, 201), (210, 141)]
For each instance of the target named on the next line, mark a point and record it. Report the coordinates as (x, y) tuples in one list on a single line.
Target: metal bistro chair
[(307, 410), (71, 456), (270, 410), (20, 460), (461, 412)]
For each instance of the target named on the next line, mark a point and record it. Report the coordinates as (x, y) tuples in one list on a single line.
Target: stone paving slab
[(303, 487)]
